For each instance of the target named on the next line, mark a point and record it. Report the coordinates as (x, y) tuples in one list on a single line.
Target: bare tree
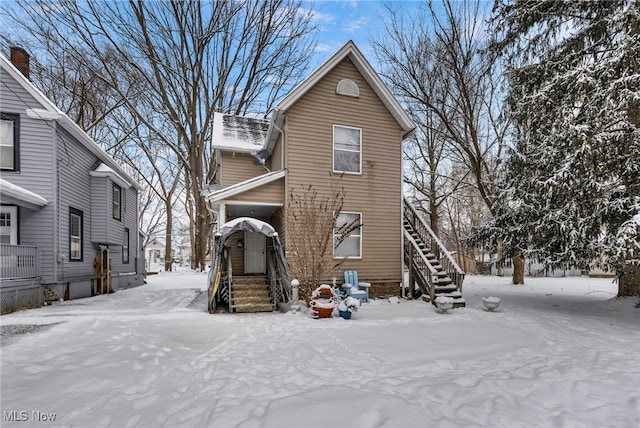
[(172, 64), (435, 62), (313, 232), (159, 169)]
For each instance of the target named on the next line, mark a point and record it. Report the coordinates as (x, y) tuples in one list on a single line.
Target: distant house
[(154, 252), (68, 213), (341, 128), (533, 269)]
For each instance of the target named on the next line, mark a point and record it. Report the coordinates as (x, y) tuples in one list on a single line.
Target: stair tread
[(253, 307), (452, 294), (251, 300), (446, 288)]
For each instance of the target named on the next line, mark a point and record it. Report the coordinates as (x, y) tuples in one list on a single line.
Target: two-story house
[(68, 211), (341, 129)]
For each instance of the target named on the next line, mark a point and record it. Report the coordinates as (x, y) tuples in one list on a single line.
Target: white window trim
[(15, 144), (126, 245), (333, 234), (114, 203), (333, 151), (80, 215)]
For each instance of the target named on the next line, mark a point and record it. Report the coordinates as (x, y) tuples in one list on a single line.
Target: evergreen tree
[(570, 194)]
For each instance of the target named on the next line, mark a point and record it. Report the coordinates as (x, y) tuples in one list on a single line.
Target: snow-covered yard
[(556, 353)]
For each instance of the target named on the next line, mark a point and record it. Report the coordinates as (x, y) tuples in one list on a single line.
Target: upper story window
[(75, 234), (348, 87), (347, 236), (347, 149), (117, 202), (9, 141)]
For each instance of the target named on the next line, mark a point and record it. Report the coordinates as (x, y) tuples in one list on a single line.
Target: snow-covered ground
[(557, 353)]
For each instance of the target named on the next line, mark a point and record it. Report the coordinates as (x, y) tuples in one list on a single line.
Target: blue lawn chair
[(355, 288)]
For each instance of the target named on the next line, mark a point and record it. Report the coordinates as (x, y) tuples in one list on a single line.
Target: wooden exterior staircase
[(250, 294), (431, 266)]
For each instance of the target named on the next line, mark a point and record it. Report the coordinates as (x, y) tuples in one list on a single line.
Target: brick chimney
[(20, 59)]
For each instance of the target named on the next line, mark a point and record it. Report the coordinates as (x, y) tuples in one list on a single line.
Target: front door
[(254, 252), (9, 225)]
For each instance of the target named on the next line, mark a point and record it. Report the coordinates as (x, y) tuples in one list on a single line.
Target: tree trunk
[(168, 257), (518, 268), (629, 281), (499, 263), (201, 234)]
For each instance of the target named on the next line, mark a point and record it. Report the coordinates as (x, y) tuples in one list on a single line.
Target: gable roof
[(50, 111), (238, 133), (351, 51)]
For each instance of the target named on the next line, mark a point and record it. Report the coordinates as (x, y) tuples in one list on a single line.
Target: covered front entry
[(263, 284)]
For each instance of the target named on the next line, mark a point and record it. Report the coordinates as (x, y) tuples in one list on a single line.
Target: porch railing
[(19, 261)]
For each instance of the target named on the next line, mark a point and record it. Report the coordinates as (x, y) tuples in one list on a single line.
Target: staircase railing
[(420, 265), (425, 233)]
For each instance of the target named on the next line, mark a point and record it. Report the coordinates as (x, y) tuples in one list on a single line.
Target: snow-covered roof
[(238, 133), (246, 223), (51, 112), (15, 195), (105, 171)]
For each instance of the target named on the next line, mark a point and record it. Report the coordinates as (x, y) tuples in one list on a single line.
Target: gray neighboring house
[(68, 211)]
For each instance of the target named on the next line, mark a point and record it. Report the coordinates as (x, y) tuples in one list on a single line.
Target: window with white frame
[(347, 149), (9, 141), (75, 235), (347, 236), (125, 247), (117, 202)]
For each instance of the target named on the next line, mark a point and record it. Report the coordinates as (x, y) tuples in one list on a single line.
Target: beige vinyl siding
[(268, 193), (237, 167), (376, 192)]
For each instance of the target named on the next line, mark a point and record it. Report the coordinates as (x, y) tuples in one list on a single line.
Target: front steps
[(50, 295), (250, 294)]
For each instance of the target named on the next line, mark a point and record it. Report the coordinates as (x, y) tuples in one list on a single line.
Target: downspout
[(284, 224), (56, 206), (402, 284), (138, 252), (281, 131)]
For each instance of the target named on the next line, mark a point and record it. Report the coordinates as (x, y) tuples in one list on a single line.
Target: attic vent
[(347, 87)]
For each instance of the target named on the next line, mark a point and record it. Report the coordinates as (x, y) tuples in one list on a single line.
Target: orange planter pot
[(323, 312)]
